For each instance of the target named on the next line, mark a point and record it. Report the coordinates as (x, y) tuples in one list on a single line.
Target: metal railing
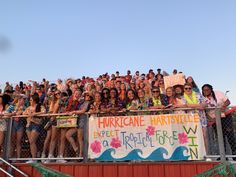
[(220, 136)]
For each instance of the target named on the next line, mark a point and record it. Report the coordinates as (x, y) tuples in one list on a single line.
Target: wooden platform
[(139, 169)]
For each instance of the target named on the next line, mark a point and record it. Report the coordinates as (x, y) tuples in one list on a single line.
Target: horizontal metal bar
[(127, 111), (215, 156), (59, 158)]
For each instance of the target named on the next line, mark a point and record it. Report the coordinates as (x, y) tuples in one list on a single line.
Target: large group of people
[(107, 94)]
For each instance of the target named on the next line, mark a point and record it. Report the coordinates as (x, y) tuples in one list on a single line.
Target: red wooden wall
[(158, 169)]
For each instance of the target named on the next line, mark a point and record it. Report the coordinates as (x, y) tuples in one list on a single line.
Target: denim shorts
[(17, 126), (34, 127)]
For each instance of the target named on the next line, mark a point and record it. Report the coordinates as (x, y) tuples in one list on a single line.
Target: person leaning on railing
[(95, 107), (114, 104), (73, 104), (158, 100), (84, 107), (132, 102), (18, 123), (143, 101), (34, 123), (51, 128), (62, 109), (196, 101), (218, 99)]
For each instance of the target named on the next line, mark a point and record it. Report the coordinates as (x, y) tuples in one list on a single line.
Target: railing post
[(220, 135), (86, 137)]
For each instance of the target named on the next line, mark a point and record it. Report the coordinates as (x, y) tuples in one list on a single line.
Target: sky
[(61, 39)]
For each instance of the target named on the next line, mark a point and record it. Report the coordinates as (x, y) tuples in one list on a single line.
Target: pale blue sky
[(60, 39)]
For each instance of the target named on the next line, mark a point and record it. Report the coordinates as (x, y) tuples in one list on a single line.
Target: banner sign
[(66, 121), (172, 80), (146, 137)]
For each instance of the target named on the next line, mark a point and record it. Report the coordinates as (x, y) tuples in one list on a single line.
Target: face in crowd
[(156, 92), (188, 89)]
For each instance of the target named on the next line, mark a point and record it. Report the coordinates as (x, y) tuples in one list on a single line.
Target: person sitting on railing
[(34, 123), (132, 102), (74, 102), (218, 99), (158, 100), (84, 107)]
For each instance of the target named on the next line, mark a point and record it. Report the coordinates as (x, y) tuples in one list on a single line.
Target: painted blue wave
[(133, 155), (179, 154), (157, 155)]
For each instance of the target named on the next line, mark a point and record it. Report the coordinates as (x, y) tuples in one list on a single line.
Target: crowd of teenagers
[(109, 94)]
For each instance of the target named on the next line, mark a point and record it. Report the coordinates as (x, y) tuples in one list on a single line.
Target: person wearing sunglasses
[(105, 100), (158, 100), (192, 82), (197, 102)]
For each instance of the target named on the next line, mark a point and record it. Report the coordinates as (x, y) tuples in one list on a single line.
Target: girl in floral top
[(132, 102), (95, 107)]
